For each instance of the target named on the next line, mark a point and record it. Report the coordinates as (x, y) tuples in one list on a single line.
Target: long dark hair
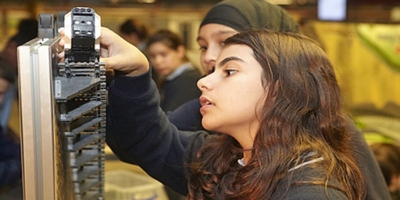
[(302, 115)]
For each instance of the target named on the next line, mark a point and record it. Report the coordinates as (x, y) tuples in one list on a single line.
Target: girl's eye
[(230, 71), (203, 48), (212, 69)]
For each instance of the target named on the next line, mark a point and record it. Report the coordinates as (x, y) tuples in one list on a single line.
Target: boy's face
[(4, 84)]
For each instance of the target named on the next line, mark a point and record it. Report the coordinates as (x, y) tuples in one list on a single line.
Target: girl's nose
[(209, 57), (204, 83)]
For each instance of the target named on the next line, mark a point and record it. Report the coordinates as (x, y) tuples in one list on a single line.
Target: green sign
[(384, 39)]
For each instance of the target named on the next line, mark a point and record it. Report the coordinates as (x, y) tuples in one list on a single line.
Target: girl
[(273, 99), (224, 20), (232, 16), (167, 55)]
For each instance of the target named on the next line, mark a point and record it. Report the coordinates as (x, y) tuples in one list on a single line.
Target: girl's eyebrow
[(217, 34), (231, 58)]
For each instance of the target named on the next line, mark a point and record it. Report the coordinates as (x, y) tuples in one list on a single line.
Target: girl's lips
[(204, 102)]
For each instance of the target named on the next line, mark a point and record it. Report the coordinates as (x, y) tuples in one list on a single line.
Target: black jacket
[(10, 161)]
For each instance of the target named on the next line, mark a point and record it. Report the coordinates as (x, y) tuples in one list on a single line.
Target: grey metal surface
[(81, 107)]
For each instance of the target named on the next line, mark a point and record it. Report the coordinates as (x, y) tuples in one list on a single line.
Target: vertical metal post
[(37, 119)]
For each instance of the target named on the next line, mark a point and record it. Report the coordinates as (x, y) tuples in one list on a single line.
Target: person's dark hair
[(134, 26), (302, 114), (166, 37), (388, 157), (27, 30), (6, 73)]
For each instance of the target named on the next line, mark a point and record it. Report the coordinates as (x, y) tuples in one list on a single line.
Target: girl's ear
[(181, 51)]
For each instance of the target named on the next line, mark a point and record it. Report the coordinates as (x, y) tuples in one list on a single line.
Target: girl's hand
[(118, 54)]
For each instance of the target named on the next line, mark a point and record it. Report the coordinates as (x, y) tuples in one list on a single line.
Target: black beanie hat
[(27, 30), (245, 14)]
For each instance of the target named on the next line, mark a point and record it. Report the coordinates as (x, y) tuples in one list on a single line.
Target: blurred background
[(361, 37)]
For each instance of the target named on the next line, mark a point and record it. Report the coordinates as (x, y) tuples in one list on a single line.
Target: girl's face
[(210, 39), (164, 59), (233, 94)]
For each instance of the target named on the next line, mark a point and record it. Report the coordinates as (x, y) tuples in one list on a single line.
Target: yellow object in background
[(362, 70), (13, 122), (384, 40)]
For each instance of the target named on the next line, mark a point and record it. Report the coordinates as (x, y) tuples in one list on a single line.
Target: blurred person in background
[(167, 55), (10, 152), (9, 111), (27, 30), (388, 156), (135, 33)]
